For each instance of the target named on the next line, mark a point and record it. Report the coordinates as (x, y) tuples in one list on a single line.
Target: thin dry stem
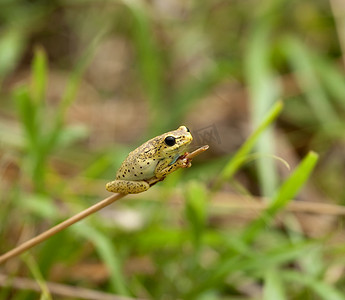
[(96, 207), (50, 232), (338, 10), (228, 203), (22, 283)]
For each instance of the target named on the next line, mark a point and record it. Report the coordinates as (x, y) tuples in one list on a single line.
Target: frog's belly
[(137, 171)]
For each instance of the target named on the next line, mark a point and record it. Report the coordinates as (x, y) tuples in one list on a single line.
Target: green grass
[(182, 239)]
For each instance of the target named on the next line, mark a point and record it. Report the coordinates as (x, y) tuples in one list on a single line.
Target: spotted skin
[(156, 158)]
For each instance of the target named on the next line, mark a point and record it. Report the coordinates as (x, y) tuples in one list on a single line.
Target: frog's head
[(175, 142)]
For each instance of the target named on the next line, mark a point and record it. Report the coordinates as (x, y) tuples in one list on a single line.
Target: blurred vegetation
[(84, 82)]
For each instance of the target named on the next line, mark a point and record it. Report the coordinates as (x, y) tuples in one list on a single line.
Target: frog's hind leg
[(127, 187)]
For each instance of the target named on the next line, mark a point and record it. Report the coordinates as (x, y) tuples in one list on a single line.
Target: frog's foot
[(184, 162), (127, 187)]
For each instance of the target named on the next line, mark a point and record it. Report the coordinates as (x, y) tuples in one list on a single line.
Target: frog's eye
[(170, 140), (187, 129)]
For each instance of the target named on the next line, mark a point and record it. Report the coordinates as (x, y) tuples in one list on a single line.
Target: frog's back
[(141, 162)]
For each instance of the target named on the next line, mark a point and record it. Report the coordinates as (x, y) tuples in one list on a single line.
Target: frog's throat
[(175, 159)]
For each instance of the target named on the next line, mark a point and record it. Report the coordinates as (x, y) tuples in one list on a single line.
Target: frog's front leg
[(164, 169), (127, 186)]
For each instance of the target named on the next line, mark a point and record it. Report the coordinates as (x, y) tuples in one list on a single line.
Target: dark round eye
[(187, 129), (170, 140)]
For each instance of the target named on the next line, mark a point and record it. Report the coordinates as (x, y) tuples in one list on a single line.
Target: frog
[(153, 160)]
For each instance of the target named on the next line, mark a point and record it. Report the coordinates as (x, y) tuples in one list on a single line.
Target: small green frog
[(156, 158)]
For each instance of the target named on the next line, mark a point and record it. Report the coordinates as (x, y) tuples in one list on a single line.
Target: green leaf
[(38, 205), (332, 77), (71, 134), (196, 200), (191, 92), (274, 288), (11, 48), (39, 75), (324, 290), (108, 254), (148, 57), (237, 160), (32, 265), (300, 58), (264, 89), (28, 114), (285, 194), (254, 262), (157, 238), (70, 93)]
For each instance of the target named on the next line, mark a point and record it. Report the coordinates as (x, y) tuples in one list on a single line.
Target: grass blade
[(255, 261), (264, 89), (32, 265), (195, 209), (27, 111), (274, 288), (285, 194), (324, 290), (12, 44), (300, 59), (332, 78), (236, 161), (148, 57), (70, 93), (39, 75), (107, 253)]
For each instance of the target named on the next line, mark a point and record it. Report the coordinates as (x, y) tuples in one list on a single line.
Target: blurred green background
[(258, 216)]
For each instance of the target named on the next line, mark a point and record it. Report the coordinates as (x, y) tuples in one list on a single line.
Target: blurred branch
[(237, 202), (227, 203), (62, 290), (338, 10)]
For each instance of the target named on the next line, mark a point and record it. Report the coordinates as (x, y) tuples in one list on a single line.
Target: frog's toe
[(111, 187), (185, 163)]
